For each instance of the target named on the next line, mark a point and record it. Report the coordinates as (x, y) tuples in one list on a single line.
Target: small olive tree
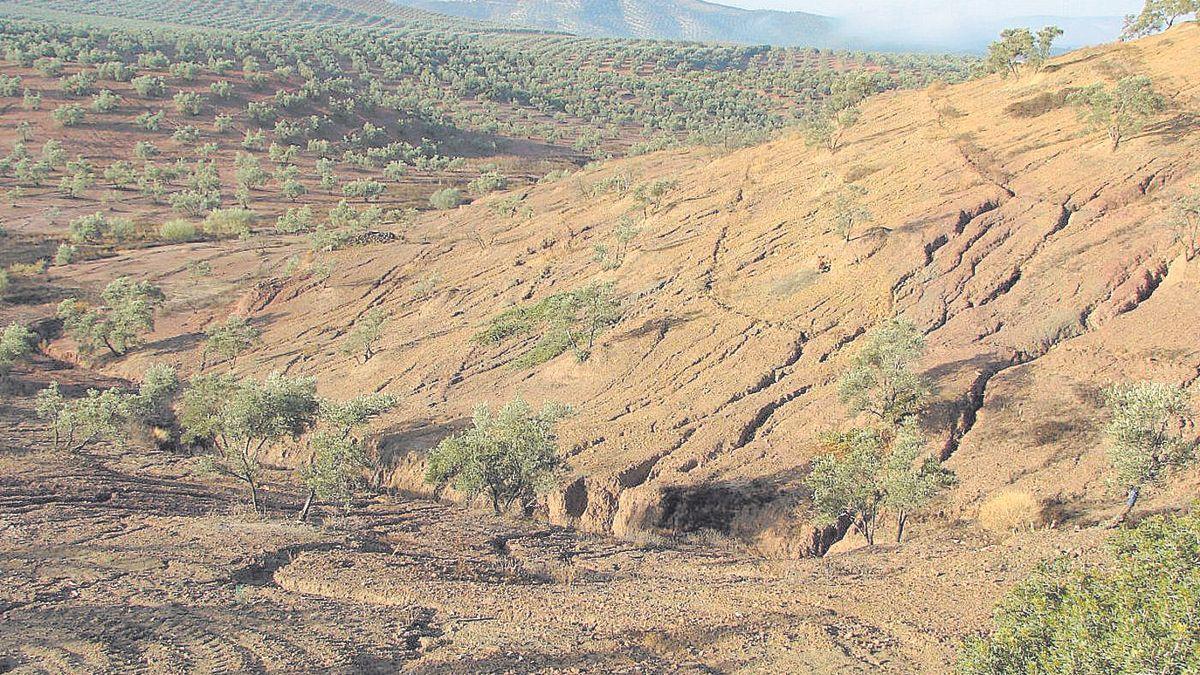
[(509, 456), (1122, 111), (241, 418), (1145, 435), (881, 381), (1018, 47), (848, 210), (1185, 221), (870, 471), (338, 455), (229, 339), (125, 314), (1157, 15), (364, 337), (881, 468), (840, 109), (1134, 612), (16, 343), (108, 414)]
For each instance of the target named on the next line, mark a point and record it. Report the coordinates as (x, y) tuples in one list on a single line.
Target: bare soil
[(128, 560)]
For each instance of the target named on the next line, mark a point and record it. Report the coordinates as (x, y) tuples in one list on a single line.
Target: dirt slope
[(1033, 255), (129, 560)]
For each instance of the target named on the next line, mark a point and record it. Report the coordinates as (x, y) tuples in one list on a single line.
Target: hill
[(672, 20), (1030, 254)]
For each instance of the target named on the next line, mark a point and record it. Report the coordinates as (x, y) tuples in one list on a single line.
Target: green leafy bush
[(16, 342), (125, 313), (233, 222), (178, 231), (448, 198), (571, 320), (241, 418), (509, 456), (1137, 613)]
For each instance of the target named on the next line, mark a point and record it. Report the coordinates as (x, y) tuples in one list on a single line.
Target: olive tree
[(337, 455), (447, 198), (1133, 612), (840, 110), (882, 468), (124, 315), (1019, 47), (848, 210), (1121, 111), (871, 471), (16, 342), (239, 419), (1157, 15), (364, 189), (1145, 435), (880, 381), (1185, 221), (229, 339), (108, 414), (364, 337), (509, 456)]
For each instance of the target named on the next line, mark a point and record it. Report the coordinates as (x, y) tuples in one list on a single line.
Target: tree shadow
[(1174, 130)]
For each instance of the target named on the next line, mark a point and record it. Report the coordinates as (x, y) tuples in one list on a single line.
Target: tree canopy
[(509, 456), (124, 315)]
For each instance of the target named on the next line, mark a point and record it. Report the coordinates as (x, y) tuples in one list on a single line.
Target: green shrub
[(1145, 435), (364, 337), (16, 342), (69, 115), (446, 199), (233, 222), (65, 254), (488, 182), (178, 231), (125, 314), (241, 418), (296, 220), (87, 229), (571, 320), (1137, 613), (509, 456)]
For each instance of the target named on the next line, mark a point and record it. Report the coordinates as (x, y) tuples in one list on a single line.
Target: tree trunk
[(1130, 501), (900, 527), (307, 505), (254, 495)]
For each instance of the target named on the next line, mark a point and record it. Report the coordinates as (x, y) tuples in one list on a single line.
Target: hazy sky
[(989, 8)]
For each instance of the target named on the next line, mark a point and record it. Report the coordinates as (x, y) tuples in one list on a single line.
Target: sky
[(959, 25), (986, 8)]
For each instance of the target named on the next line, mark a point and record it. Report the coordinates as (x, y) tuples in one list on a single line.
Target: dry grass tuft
[(1009, 511)]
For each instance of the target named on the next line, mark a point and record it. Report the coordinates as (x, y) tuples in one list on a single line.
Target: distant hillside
[(658, 19)]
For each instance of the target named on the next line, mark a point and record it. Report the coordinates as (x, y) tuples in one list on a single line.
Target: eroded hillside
[(1033, 256)]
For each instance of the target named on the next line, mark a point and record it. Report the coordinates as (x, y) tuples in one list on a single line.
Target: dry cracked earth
[(127, 560)]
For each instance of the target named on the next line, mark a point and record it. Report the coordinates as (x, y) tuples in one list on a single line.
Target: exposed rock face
[(1035, 258)]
